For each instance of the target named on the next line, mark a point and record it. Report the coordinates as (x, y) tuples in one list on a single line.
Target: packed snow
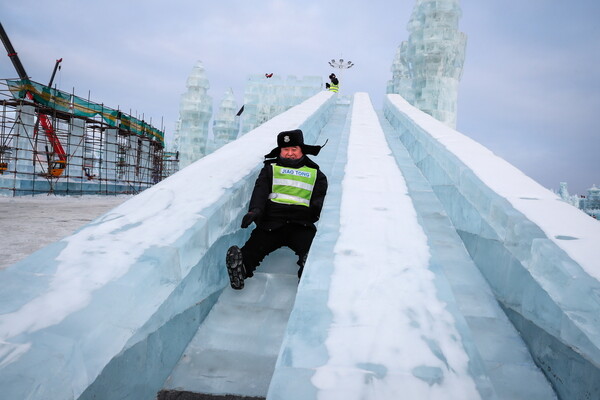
[(31, 222), (387, 317)]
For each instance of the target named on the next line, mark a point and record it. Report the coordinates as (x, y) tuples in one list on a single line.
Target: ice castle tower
[(195, 111), (226, 124), (427, 68)]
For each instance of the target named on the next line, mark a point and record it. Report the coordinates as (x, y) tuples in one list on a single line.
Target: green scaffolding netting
[(78, 106)]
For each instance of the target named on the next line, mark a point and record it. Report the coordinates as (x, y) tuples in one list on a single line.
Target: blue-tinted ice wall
[(538, 253), (106, 312)]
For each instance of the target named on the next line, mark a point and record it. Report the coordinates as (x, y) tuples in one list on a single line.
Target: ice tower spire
[(195, 110), (226, 124), (428, 67)]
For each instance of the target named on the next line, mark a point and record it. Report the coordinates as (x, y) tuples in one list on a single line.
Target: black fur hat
[(293, 138)]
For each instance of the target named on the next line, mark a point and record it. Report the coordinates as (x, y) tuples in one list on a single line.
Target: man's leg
[(241, 263), (299, 239), (259, 245)]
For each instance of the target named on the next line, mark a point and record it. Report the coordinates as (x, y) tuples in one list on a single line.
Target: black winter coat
[(274, 215)]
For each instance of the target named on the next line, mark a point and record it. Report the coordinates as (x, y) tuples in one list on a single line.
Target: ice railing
[(108, 310), (538, 253)]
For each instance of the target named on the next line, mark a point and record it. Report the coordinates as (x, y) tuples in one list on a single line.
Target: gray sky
[(529, 91)]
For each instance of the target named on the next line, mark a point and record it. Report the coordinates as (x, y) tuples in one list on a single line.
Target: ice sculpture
[(266, 97), (195, 111), (428, 68), (226, 124), (563, 192)]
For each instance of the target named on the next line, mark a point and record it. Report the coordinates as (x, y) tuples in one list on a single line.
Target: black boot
[(235, 267)]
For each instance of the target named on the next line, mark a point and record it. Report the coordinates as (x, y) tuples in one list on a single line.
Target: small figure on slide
[(334, 86), (286, 202)]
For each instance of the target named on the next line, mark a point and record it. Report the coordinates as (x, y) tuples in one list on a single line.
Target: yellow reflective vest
[(293, 185), (334, 88)]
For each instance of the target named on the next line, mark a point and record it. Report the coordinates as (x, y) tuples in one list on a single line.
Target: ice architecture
[(195, 112), (427, 68), (265, 97), (484, 284), (226, 124), (401, 75), (591, 203)]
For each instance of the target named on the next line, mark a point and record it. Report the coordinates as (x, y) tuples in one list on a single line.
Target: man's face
[(293, 152)]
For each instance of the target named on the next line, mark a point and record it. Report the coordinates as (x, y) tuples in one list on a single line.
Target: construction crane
[(57, 159)]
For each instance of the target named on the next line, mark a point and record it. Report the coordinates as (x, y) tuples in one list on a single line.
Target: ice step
[(236, 347)]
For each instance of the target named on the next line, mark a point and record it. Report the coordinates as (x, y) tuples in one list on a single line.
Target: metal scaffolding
[(100, 157)]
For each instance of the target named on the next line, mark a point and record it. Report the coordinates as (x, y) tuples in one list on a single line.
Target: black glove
[(250, 217)]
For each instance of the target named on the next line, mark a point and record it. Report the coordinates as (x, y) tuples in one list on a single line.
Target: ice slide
[(392, 302)]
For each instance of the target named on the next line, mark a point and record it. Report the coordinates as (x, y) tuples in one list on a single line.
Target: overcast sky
[(530, 89)]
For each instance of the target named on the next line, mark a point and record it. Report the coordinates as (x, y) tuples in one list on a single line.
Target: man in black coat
[(285, 204)]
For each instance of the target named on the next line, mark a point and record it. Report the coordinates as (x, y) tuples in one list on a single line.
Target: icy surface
[(499, 359), (235, 349), (538, 253), (390, 333), (390, 303)]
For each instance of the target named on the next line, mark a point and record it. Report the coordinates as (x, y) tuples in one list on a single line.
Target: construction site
[(56, 142)]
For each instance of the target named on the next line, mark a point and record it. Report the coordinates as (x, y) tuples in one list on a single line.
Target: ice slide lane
[(235, 349)]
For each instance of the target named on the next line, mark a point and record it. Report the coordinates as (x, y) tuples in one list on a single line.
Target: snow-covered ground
[(29, 223)]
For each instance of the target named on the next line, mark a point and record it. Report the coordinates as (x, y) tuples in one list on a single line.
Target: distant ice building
[(265, 97), (226, 124), (195, 112), (427, 68), (590, 204)]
